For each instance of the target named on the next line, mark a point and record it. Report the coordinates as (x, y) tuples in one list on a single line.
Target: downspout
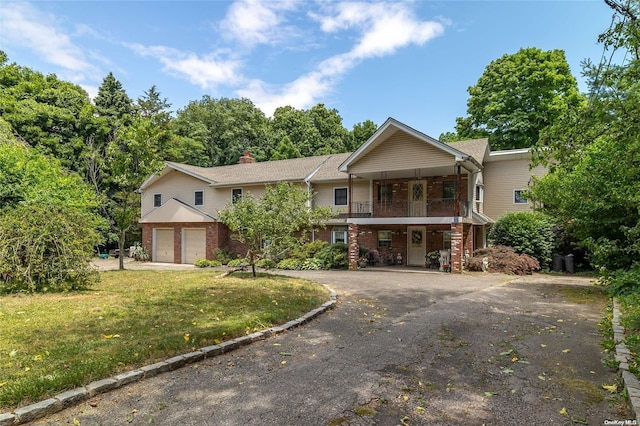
[(458, 190), (309, 203), (349, 192)]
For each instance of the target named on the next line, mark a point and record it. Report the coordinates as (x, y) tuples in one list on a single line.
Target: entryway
[(416, 245)]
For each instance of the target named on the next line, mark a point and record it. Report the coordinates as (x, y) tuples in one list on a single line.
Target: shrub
[(201, 263), (311, 264), (205, 263), (266, 263), (333, 256), (291, 264), (505, 260), (46, 248), (237, 263), (139, 253), (621, 282), (527, 232), (308, 250), (223, 255)]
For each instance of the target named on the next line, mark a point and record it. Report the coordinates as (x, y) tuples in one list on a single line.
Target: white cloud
[(381, 29), (257, 22), (206, 71), (23, 25)]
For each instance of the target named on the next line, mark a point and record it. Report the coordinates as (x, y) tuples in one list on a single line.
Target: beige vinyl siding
[(180, 186), (324, 193), (222, 196), (401, 152), (501, 178)]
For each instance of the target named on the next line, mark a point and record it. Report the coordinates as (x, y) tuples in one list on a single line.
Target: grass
[(54, 342)]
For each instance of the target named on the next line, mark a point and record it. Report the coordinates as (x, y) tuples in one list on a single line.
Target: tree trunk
[(121, 251)]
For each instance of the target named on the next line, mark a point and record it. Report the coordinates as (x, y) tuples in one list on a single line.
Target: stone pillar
[(354, 250), (457, 249)]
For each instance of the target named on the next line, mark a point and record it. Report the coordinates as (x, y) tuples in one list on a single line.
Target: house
[(402, 193)]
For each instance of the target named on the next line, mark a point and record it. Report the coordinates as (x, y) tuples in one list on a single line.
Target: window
[(236, 194), (385, 193), (446, 240), (479, 193), (157, 200), (340, 197), (198, 198), (339, 234), (449, 190), (384, 238), (520, 196)]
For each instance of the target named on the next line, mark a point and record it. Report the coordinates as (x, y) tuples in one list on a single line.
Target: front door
[(417, 198), (417, 247)]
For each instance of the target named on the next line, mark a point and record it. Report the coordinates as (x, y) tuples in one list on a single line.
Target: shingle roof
[(329, 169), (292, 170), (477, 148), (320, 168)]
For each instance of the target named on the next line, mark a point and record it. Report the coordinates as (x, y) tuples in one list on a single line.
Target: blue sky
[(370, 60)]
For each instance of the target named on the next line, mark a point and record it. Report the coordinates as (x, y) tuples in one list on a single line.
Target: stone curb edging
[(72, 397), (623, 356)]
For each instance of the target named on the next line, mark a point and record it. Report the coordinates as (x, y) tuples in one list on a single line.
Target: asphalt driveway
[(399, 348)]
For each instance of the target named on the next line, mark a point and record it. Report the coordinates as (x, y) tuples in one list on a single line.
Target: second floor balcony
[(434, 207)]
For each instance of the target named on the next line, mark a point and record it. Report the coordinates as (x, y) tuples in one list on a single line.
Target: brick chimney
[(246, 158)]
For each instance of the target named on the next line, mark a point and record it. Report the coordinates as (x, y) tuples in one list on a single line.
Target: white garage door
[(194, 245), (163, 246)]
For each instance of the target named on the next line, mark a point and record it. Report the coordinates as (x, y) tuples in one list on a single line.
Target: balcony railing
[(431, 208)]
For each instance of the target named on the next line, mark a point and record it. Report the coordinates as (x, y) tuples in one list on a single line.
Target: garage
[(163, 247), (194, 245)]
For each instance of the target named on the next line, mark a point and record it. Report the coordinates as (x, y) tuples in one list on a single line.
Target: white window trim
[(194, 197), (479, 191), (236, 189), (334, 196), (154, 200), (514, 197), (339, 230)]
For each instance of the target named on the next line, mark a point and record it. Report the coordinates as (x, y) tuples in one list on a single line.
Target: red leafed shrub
[(503, 259)]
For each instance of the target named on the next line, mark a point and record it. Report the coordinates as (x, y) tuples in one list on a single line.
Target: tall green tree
[(285, 150), (225, 128), (593, 153), (53, 116), (278, 221), (298, 125), (360, 133), (131, 158), (517, 96), (333, 136), (113, 103)]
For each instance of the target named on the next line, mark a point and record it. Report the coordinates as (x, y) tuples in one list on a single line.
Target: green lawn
[(53, 342)]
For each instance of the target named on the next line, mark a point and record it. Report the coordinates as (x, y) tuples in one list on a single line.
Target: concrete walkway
[(399, 348)]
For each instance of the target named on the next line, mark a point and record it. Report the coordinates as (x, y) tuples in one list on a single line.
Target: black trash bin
[(556, 265), (568, 264)]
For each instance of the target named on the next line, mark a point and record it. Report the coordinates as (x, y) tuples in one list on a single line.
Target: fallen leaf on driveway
[(610, 388), (564, 411), (566, 351)]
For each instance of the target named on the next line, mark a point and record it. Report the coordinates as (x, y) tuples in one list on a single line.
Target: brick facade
[(398, 205), (217, 235)]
